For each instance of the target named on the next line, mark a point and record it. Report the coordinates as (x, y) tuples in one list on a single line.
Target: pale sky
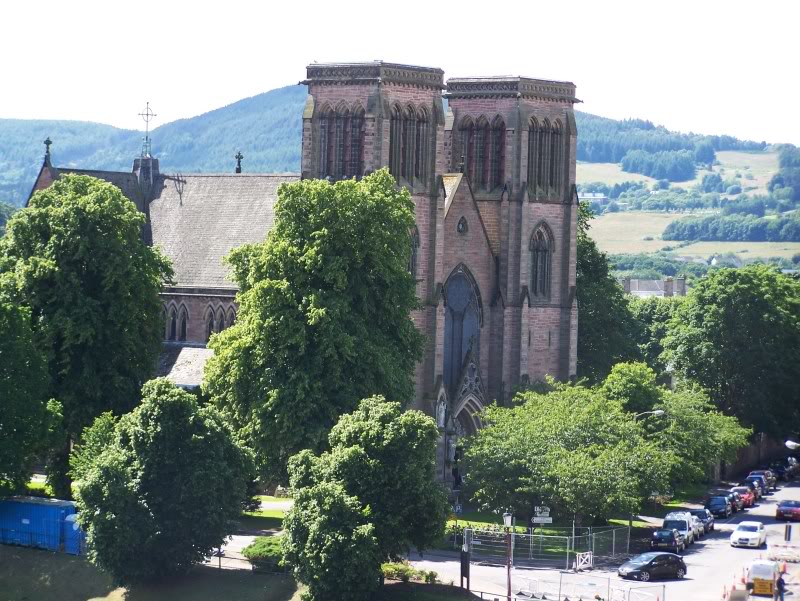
[(704, 65)]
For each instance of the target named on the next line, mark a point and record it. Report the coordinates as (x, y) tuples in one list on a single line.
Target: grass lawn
[(34, 575), (608, 173), (745, 250), (264, 519), (269, 499), (623, 232)]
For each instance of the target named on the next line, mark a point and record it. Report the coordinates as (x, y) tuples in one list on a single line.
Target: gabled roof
[(125, 181), (196, 220)]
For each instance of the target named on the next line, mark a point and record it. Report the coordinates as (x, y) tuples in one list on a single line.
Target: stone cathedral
[(490, 164)]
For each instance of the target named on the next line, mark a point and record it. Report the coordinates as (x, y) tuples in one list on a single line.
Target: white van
[(682, 522)]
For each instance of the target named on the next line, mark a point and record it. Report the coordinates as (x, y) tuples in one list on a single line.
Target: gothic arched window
[(533, 155), (341, 142), (220, 320), (209, 324), (462, 326), (467, 146), (541, 260), (355, 152), (497, 154), (412, 264), (421, 146), (556, 158), (542, 156), (173, 324), (182, 321), (231, 316), (395, 141), (481, 153)]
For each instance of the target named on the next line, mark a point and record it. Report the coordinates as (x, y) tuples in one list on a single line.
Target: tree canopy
[(324, 316), (607, 330), (738, 336), (380, 473), (572, 449), (164, 491), (26, 418), (78, 261)]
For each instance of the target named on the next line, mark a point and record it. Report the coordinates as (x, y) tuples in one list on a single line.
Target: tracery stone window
[(462, 323), (413, 260), (545, 157), (341, 142), (220, 320), (541, 248), (209, 325), (173, 324), (408, 143), (483, 151)]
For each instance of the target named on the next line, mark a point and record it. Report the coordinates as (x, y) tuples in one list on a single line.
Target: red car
[(788, 510), (747, 495)]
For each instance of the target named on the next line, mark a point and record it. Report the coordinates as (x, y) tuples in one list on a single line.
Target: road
[(711, 563)]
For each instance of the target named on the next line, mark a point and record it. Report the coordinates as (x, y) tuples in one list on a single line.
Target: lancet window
[(341, 142), (541, 248)]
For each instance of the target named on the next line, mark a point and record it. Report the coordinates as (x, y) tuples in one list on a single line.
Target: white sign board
[(541, 520), (541, 510)]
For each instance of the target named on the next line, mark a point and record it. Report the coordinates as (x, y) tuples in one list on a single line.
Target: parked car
[(761, 481), (781, 469), (719, 506), (682, 522), (735, 505), (749, 534), (748, 498), (706, 517), (649, 566), (788, 510), (753, 487), (737, 498), (668, 539), (697, 527), (772, 482)]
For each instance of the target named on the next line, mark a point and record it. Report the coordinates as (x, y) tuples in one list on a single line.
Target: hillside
[(267, 129)]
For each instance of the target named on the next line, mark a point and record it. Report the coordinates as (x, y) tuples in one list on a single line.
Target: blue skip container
[(37, 522)]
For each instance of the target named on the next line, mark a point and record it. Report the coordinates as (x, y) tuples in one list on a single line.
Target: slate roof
[(126, 182), (197, 219), (183, 365), (450, 181)]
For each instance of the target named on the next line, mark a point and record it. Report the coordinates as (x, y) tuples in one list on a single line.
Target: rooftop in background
[(665, 287), (510, 86), (374, 72)]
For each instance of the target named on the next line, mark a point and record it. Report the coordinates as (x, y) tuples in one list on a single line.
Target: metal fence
[(577, 587), (607, 544)]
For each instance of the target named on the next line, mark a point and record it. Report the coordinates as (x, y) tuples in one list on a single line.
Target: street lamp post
[(507, 517), (654, 412)]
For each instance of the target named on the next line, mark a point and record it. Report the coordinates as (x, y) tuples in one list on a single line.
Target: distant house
[(665, 287), (591, 197)]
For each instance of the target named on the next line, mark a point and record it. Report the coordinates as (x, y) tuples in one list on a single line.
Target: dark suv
[(665, 538), (719, 506), (705, 516)]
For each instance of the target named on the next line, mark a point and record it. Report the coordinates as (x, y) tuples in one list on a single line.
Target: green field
[(623, 232), (761, 165)]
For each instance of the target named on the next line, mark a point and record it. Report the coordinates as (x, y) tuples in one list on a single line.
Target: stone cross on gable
[(239, 156)]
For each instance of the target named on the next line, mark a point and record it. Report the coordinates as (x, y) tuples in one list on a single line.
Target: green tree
[(654, 314), (6, 210), (573, 449), (607, 329), (26, 419), (94, 440), (384, 458), (738, 336), (704, 153), (324, 316), (634, 385), (330, 544), (79, 262), (164, 492)]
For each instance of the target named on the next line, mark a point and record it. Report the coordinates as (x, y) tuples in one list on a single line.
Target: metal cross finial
[(47, 144), (147, 116), (239, 156)]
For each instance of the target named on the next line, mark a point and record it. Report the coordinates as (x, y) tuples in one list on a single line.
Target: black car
[(705, 516), (719, 506), (666, 538), (650, 566), (754, 488)]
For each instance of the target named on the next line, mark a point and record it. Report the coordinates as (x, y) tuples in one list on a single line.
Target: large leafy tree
[(5, 214), (572, 448), (26, 417), (79, 263), (324, 316), (606, 330), (654, 315), (738, 336), (165, 488), (384, 459)]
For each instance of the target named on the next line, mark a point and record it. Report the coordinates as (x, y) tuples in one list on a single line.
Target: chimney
[(146, 170), (668, 286), (680, 286)]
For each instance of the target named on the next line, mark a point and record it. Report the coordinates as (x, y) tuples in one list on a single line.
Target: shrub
[(403, 571), (265, 552), (735, 189)]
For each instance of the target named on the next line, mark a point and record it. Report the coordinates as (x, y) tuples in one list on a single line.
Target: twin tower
[(490, 164)]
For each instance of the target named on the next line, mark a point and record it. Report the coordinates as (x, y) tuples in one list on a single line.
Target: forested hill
[(267, 129)]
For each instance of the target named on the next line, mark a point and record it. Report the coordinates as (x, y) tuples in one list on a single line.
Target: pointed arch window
[(463, 321), (173, 324), (481, 147), (231, 316), (182, 324), (467, 144), (413, 261), (533, 155), (220, 320), (395, 142), (355, 152), (421, 146), (541, 260), (497, 154), (341, 142), (556, 158), (209, 324)]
